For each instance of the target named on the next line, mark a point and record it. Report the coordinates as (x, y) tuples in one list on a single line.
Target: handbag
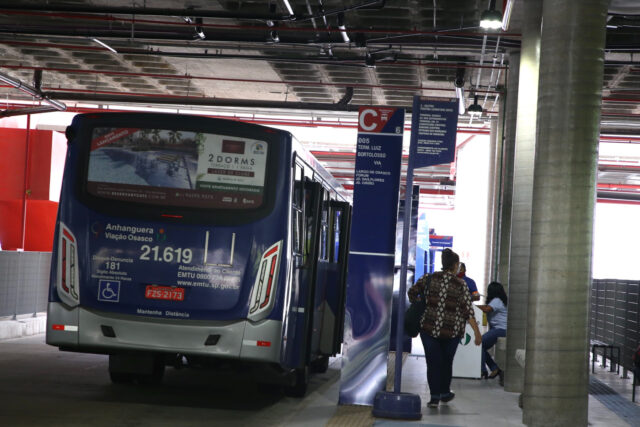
[(413, 315)]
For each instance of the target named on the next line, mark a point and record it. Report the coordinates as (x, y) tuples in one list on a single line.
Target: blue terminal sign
[(371, 254), (377, 179), (433, 131), (436, 241)]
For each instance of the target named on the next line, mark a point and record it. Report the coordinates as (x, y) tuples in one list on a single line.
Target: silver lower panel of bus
[(83, 330)]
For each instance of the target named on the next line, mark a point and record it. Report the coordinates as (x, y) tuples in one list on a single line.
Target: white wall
[(472, 200), (616, 242)]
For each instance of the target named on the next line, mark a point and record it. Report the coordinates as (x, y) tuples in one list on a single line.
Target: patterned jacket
[(449, 304)]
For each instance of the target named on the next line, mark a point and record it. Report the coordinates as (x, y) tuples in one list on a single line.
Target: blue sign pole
[(371, 254), (433, 135), (403, 274)]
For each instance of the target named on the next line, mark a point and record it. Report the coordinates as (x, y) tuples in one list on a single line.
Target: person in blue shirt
[(471, 284), (496, 311)]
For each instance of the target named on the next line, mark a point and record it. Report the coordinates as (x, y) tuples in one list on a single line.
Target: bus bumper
[(78, 329)]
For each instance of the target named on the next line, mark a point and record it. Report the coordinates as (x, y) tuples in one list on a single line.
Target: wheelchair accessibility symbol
[(109, 290)]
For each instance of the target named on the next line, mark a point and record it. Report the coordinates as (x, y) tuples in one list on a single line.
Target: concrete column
[(522, 193), (495, 148), (506, 191), (568, 125)]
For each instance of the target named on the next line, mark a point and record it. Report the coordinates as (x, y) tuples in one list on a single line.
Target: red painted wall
[(40, 211)]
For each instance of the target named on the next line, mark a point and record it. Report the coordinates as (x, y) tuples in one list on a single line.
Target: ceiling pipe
[(348, 96), (228, 79), (321, 60), (609, 195), (241, 27), (144, 11), (477, 85), (618, 202), (200, 101), (253, 119), (24, 111), (443, 64), (495, 59), (152, 98), (149, 36), (258, 81), (191, 12), (497, 97), (32, 91)]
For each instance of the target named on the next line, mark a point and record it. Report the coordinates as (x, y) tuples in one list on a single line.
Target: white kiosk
[(466, 363)]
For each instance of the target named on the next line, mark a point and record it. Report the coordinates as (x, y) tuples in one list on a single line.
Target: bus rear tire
[(138, 368), (156, 375), (122, 377), (320, 365), (300, 385)]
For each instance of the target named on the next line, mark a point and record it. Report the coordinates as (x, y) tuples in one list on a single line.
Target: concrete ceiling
[(287, 55)]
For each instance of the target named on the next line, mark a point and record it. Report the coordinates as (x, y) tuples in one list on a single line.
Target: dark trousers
[(489, 339), (439, 353)]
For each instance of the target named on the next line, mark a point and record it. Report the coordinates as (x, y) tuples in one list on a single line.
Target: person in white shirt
[(496, 310)]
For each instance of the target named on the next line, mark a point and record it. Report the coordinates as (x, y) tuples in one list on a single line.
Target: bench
[(596, 344)]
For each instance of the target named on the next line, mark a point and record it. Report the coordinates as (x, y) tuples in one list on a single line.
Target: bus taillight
[(68, 276), (261, 300)]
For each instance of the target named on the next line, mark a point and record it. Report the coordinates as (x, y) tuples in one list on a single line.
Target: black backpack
[(413, 315)]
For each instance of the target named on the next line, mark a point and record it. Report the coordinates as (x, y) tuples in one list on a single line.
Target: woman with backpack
[(448, 308)]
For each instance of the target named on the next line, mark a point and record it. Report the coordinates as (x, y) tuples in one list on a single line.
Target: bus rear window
[(177, 168)]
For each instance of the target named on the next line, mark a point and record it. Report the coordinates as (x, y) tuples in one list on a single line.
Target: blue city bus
[(186, 240)]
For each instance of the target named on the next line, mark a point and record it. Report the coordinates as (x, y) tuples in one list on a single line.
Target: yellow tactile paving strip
[(358, 415), (352, 416)]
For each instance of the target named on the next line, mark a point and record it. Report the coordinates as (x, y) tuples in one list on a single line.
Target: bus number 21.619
[(168, 254)]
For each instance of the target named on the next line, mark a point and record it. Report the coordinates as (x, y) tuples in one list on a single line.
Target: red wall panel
[(40, 212), (12, 147), (41, 222)]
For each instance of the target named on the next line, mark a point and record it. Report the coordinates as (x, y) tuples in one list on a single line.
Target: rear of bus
[(171, 240)]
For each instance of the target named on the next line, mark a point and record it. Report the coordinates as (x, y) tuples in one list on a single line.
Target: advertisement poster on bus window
[(177, 168), (231, 164)]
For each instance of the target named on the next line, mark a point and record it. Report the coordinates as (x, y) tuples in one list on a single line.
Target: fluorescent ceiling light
[(106, 46), (506, 15), (343, 33), (460, 96), (288, 6)]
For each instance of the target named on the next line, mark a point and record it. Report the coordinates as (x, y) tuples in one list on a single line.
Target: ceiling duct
[(32, 90), (188, 12), (624, 7)]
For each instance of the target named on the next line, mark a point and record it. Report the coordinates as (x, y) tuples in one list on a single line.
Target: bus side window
[(308, 223), (336, 235), (324, 229), (297, 210)]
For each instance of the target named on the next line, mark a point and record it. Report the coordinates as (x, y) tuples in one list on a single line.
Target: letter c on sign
[(365, 113)]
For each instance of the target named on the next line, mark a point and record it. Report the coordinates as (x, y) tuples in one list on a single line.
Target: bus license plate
[(164, 293)]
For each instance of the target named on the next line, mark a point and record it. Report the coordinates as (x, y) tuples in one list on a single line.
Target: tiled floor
[(39, 384), (480, 403)]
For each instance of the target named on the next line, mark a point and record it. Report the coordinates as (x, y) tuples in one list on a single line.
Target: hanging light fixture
[(491, 19), (459, 85), (475, 109)]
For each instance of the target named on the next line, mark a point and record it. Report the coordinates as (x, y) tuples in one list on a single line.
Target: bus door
[(313, 195), (335, 293), (326, 275)]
